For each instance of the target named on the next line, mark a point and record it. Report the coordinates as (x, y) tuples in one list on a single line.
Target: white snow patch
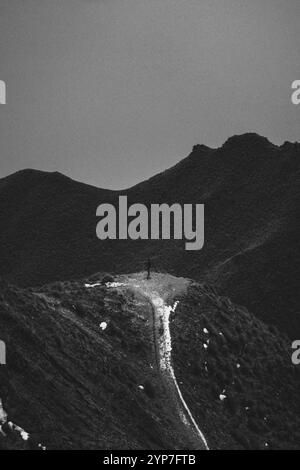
[(103, 325), (141, 387), (114, 284), (164, 312), (222, 397), (166, 346), (238, 366), (205, 346), (13, 427), (24, 435), (205, 330), (90, 286), (3, 414), (184, 418)]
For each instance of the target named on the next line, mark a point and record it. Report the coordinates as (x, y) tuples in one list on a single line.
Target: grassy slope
[(72, 385), (262, 405)]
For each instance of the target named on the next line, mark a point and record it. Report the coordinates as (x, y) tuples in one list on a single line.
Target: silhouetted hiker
[(148, 266)]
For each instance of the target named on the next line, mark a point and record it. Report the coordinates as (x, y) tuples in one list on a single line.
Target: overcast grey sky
[(110, 92)]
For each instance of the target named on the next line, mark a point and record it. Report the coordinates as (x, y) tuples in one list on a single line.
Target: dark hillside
[(250, 189), (236, 374), (81, 371), (73, 385)]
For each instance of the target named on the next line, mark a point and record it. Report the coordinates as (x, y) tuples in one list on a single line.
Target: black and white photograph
[(149, 228)]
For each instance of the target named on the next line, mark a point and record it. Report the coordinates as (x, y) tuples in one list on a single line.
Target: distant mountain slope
[(250, 189), (81, 371), (47, 227)]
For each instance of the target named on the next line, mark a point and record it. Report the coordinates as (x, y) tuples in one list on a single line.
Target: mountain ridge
[(246, 138), (250, 190)]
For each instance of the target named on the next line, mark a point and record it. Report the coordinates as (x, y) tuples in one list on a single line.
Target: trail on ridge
[(158, 290)]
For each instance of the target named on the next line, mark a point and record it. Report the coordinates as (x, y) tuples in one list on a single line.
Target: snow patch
[(24, 435), (3, 414), (164, 312), (114, 284), (103, 325), (166, 346), (90, 286), (14, 428)]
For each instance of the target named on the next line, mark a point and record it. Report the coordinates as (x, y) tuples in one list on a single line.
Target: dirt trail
[(160, 290)]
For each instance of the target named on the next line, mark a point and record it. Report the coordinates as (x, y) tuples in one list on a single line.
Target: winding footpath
[(156, 291)]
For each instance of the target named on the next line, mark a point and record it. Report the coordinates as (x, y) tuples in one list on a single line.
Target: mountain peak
[(248, 140), (200, 148), (30, 176), (30, 172)]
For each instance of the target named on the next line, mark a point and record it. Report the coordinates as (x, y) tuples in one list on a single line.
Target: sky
[(110, 92)]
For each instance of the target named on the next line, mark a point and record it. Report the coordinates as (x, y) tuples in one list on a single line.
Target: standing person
[(148, 267)]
